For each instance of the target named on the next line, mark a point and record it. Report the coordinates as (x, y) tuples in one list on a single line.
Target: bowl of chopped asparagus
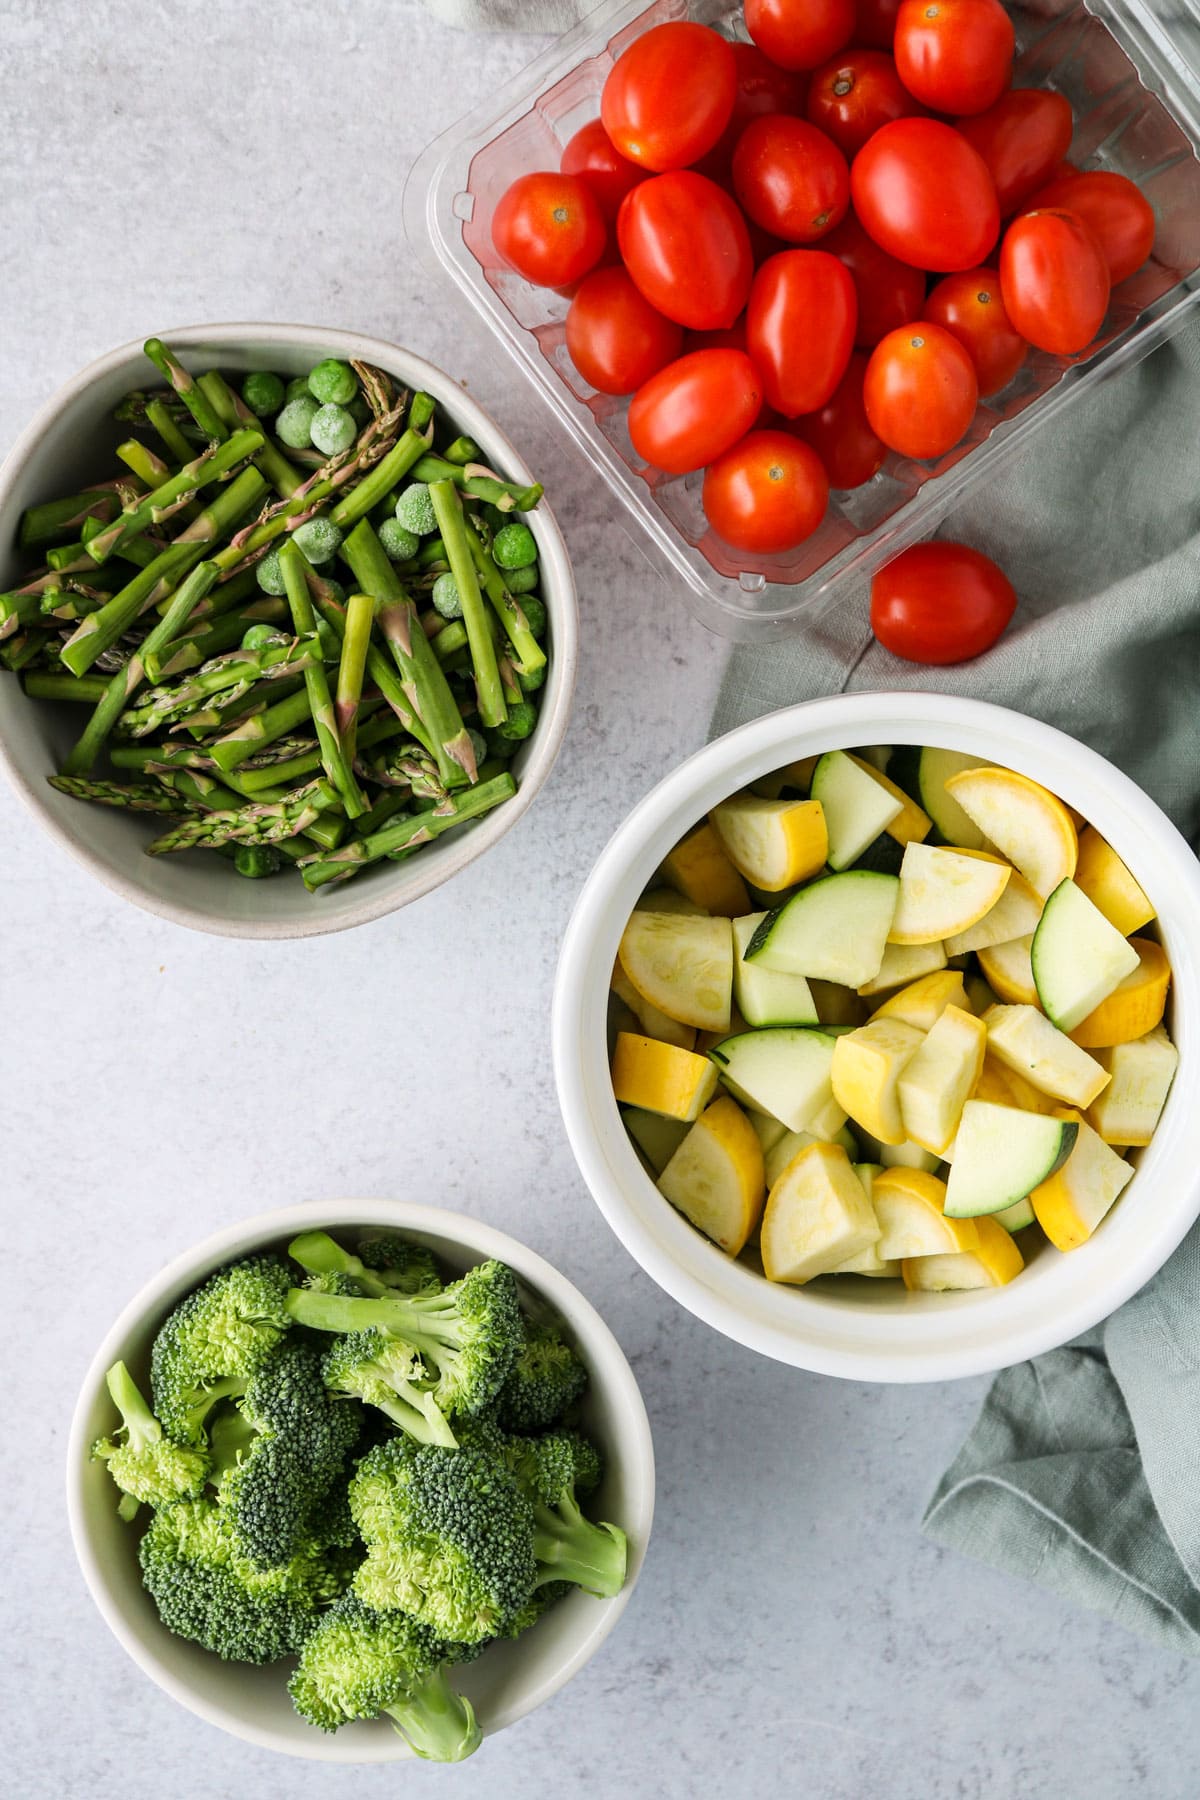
[(277, 602), (360, 1481)]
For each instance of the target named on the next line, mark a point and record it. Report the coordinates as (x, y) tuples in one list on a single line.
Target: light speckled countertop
[(792, 1633)]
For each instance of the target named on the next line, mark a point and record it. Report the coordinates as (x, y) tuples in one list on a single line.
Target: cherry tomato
[(971, 308), (954, 55), (668, 97), (762, 88), (876, 23), (800, 34), (925, 195), (1022, 140), (694, 409), (549, 228), (685, 242), (1117, 212), (1054, 279), (920, 390), (767, 494), (592, 155), (852, 95), (841, 434), (790, 178), (614, 336), (890, 293), (940, 603), (800, 328)]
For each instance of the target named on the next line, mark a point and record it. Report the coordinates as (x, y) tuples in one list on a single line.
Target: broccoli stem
[(569, 1547), (438, 1723), (139, 1423)]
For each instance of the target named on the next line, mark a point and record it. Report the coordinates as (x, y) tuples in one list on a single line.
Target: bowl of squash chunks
[(875, 1034)]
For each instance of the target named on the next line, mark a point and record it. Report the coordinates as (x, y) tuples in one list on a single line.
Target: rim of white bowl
[(596, 1341), (403, 883), (970, 1334)]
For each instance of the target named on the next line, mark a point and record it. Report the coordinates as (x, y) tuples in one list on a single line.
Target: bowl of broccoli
[(360, 1481)]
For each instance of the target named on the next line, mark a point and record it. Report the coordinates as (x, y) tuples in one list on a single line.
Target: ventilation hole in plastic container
[(751, 582), (464, 207)]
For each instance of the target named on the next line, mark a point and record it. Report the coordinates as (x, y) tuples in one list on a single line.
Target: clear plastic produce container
[(1131, 70)]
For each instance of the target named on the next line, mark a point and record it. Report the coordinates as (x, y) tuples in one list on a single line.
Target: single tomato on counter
[(767, 494), (694, 409), (549, 228), (890, 292), (790, 178), (592, 155), (1022, 139), (971, 308), (855, 93), (954, 55), (940, 603), (800, 323), (1115, 210), (1054, 279), (840, 431), (687, 247), (925, 195), (615, 337), (668, 96), (920, 390), (800, 34)]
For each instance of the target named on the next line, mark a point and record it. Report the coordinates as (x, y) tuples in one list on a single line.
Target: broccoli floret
[(449, 1536), (215, 1340), (552, 1470), (359, 1663), (468, 1336), (299, 1439), (145, 1465), (386, 1372), (539, 1602), (387, 1262), (208, 1592), (544, 1381), (398, 1264)]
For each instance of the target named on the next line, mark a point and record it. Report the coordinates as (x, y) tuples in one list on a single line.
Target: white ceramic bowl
[(506, 1683), (70, 441), (875, 1331)]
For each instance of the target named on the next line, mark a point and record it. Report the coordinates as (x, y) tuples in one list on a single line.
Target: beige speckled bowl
[(68, 442)]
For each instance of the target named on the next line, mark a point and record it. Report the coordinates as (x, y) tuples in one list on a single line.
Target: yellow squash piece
[(1025, 1040), (923, 1003), (1004, 1087), (911, 824), (1009, 972), (943, 891), (817, 1216), (1015, 915), (716, 1179), (654, 1023), (661, 1078), (657, 1138), (994, 1262), (903, 964), (683, 965), (1071, 1204), (866, 1069), (908, 1205), (1109, 885), (667, 900), (796, 776), (1024, 820), (1134, 1007), (700, 869), (773, 843), (940, 1078), (1141, 1074)]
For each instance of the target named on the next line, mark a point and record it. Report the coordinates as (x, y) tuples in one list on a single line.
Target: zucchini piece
[(835, 929), (783, 1072), (1001, 1155), (857, 809), (1077, 957)]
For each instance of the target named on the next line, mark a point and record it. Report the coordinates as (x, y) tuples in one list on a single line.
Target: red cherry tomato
[(876, 23), (1022, 140), (685, 242), (767, 494), (925, 195), (762, 88), (790, 178), (614, 336), (549, 228), (954, 55), (668, 97), (592, 155), (695, 409), (970, 307), (800, 328), (1117, 212), (920, 390), (841, 434), (800, 34), (852, 95), (940, 603), (1055, 280), (890, 293)]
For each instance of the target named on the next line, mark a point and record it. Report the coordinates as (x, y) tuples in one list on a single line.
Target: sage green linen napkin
[(1083, 1471)]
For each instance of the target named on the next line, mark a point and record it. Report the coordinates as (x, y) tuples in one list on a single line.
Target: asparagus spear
[(169, 759), (159, 504), (46, 685), (261, 729), (116, 793), (448, 511), (257, 772), (404, 834), (530, 655), (167, 705), (53, 519), (380, 668), (262, 822), (159, 418), (479, 483), (187, 387), (232, 411), (360, 617), (211, 637), (293, 562)]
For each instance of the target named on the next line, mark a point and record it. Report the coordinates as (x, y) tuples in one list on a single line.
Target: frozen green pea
[(446, 598), (514, 547), (335, 590), (263, 393), (398, 543), (332, 429), (414, 509), (522, 581), (319, 539), (296, 389), (535, 613), (531, 682), (257, 637), (294, 424), (270, 575), (520, 721), (499, 745), (333, 383)]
